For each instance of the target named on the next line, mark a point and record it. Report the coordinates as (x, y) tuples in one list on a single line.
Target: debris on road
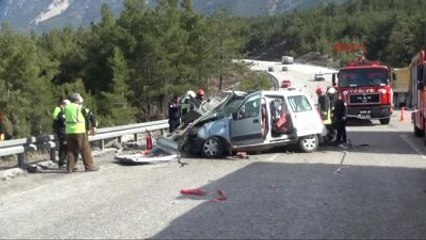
[(223, 196), (196, 191), (242, 155), (147, 156)]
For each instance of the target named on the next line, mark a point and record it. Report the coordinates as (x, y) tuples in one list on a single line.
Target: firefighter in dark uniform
[(339, 120), (199, 98), (59, 129), (174, 113)]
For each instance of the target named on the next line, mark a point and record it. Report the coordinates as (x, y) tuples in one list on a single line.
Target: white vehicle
[(319, 76), (259, 121), (287, 60)]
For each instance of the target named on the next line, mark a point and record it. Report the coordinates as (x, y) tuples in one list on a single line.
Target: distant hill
[(41, 15)]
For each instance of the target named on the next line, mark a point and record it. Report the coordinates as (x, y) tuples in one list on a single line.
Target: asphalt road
[(376, 188)]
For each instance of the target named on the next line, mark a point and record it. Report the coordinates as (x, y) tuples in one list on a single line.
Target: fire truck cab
[(365, 87), (418, 93)]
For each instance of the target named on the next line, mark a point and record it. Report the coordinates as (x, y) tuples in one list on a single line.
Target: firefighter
[(189, 108), (339, 120), (174, 113), (188, 103), (59, 129), (324, 110), (324, 105), (199, 98), (76, 135)]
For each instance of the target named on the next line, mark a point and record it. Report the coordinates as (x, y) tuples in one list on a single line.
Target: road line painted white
[(413, 146)]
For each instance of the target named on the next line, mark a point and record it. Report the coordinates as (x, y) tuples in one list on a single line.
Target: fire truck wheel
[(384, 121)]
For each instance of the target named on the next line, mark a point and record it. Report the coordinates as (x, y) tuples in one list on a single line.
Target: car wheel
[(212, 148), (384, 121), (418, 132), (308, 143)]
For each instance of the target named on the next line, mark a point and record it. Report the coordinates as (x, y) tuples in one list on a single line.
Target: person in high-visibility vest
[(324, 107), (59, 129), (76, 135)]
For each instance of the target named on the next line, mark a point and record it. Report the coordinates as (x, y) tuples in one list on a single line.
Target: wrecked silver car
[(257, 121)]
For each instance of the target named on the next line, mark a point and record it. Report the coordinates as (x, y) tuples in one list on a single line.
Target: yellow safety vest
[(184, 109), (327, 120), (55, 112), (75, 121)]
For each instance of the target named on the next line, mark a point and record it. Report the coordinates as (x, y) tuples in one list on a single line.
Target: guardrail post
[(102, 144), (135, 137), (119, 139), (53, 154), (21, 160)]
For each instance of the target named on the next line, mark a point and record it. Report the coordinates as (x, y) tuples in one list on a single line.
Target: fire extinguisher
[(149, 140)]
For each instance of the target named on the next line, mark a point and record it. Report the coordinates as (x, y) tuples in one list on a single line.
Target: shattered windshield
[(224, 103), (363, 77)]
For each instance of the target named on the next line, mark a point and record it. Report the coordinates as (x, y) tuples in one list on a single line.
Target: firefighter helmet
[(331, 90), (190, 94), (200, 92), (320, 90)]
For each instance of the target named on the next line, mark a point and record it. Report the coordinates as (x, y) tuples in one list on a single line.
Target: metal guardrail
[(22, 146)]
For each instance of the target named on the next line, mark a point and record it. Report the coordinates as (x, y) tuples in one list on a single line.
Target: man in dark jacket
[(174, 113), (59, 129), (339, 120)]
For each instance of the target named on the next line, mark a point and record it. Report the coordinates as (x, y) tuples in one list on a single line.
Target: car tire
[(418, 132), (212, 148), (308, 143), (384, 121)]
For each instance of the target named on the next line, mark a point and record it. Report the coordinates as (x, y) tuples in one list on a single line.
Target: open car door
[(246, 123)]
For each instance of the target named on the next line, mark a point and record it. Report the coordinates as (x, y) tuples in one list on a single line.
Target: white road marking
[(414, 147)]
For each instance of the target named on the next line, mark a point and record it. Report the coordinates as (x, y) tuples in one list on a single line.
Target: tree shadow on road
[(299, 201)]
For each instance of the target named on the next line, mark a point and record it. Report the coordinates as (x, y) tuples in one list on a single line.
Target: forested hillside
[(128, 67), (391, 30)]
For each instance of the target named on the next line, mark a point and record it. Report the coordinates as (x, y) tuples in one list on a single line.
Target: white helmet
[(331, 90), (66, 102), (190, 94)]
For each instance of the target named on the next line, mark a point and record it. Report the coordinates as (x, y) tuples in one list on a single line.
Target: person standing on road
[(324, 105), (339, 120), (324, 110), (76, 135), (174, 113), (59, 129)]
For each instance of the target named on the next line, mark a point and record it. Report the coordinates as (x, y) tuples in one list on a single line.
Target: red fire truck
[(418, 93), (366, 89)]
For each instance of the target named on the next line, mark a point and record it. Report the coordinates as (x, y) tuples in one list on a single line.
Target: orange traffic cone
[(402, 118)]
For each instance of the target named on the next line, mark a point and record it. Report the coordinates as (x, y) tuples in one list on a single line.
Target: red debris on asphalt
[(196, 191), (223, 196)]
